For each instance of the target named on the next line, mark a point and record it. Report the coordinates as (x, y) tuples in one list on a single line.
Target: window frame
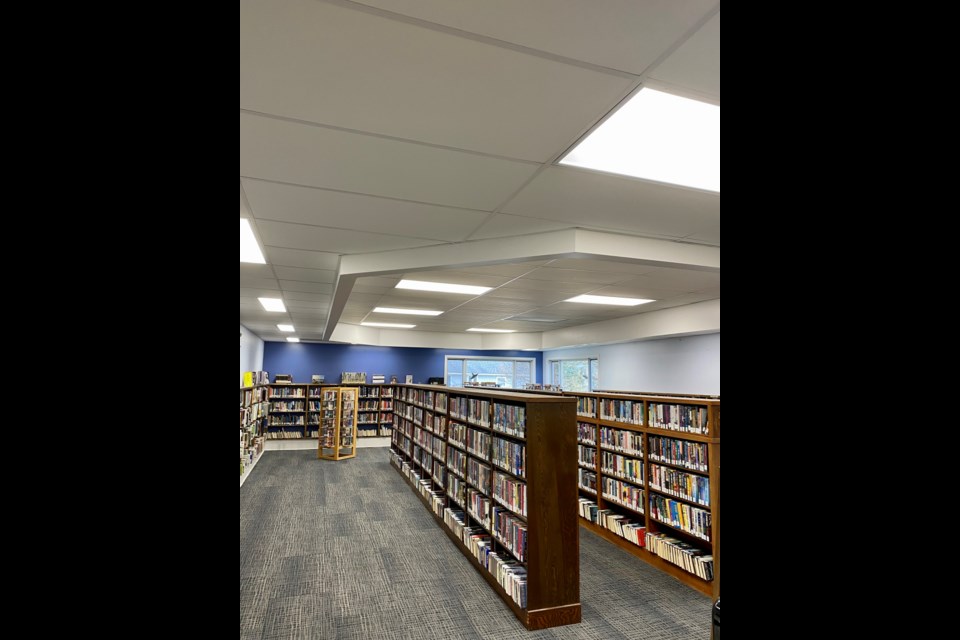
[(514, 360), (557, 363)]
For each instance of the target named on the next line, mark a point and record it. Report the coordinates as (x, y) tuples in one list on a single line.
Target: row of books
[(586, 433), (472, 410), (510, 419), (510, 574), (286, 420), (285, 434), (436, 424), (510, 456), (614, 464), (682, 554), (457, 434), (621, 525), (587, 480), (697, 522), (689, 455), (587, 407), (622, 441), (628, 411), (680, 484), (479, 475), (286, 392), (511, 493), (478, 443), (624, 494), (588, 456), (678, 417), (255, 378), (457, 461), (290, 406)]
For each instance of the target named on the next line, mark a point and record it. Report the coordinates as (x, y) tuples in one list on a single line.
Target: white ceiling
[(394, 125)]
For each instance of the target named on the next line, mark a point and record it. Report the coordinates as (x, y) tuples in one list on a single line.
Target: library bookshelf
[(497, 470), (649, 480), (253, 417), (338, 423)]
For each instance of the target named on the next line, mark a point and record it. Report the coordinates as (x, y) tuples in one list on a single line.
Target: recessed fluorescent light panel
[(407, 312), (286, 328), (387, 325), (618, 302), (442, 287), (273, 304), (293, 339), (476, 330), (657, 136), (249, 249)]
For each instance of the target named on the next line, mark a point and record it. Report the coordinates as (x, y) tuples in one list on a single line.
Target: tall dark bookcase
[(498, 472)]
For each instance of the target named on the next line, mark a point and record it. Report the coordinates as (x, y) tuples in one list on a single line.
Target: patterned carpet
[(346, 551)]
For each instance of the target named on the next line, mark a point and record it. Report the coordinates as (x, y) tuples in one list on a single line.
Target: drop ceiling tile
[(306, 275), (616, 203), (306, 287), (628, 36), (299, 306), (612, 266), (574, 275), (317, 207), (511, 270), (314, 156), (506, 226), (305, 296), (303, 259), (333, 65), (696, 64), (686, 280), (545, 286), (257, 283), (256, 270), (246, 292), (457, 277), (299, 236)]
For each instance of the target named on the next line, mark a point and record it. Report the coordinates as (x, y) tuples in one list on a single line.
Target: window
[(576, 375), (506, 373)]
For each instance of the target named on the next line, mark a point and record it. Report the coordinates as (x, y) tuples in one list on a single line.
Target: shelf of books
[(288, 412), (496, 470), (338, 423), (375, 411), (254, 409), (649, 480)]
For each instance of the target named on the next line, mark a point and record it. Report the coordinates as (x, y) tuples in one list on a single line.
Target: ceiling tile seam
[(499, 209), (641, 80), (510, 281), (438, 241), (477, 37), (383, 136), (256, 233), (359, 193)]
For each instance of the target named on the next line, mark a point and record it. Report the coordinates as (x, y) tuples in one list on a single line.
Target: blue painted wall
[(303, 360)]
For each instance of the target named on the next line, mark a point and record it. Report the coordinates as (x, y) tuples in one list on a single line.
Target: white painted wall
[(672, 365), (251, 352)]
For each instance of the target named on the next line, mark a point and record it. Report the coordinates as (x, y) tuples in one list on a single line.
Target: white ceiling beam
[(570, 243)]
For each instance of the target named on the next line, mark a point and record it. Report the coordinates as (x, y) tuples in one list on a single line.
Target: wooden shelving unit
[(253, 418), (661, 454), (338, 423), (498, 472), (288, 412)]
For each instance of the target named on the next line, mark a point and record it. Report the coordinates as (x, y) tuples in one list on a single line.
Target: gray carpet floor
[(346, 551)]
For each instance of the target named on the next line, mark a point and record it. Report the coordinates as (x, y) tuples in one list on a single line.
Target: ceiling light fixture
[(293, 339), (249, 249), (609, 300), (387, 325), (482, 330), (442, 287), (407, 312), (286, 328), (657, 136), (273, 304)]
